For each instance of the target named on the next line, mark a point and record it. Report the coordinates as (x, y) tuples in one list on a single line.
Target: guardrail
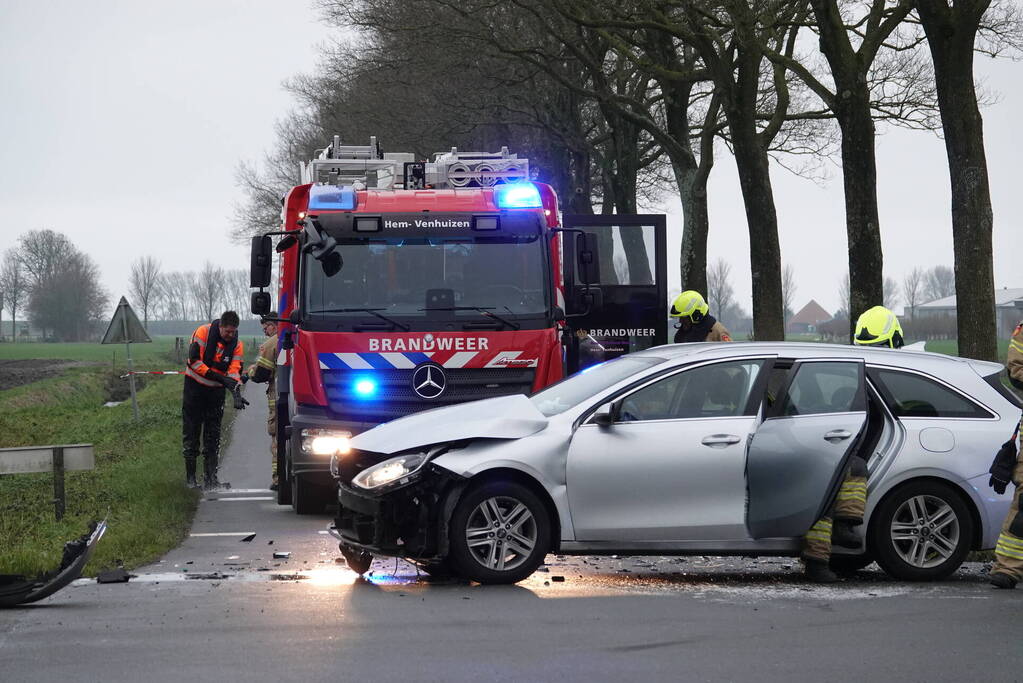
[(56, 459)]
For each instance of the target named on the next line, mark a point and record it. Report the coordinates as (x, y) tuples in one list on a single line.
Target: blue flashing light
[(365, 387), (331, 198), (517, 196)]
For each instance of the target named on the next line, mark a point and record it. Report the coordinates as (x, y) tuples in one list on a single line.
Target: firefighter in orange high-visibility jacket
[(213, 368), (1008, 568), (265, 370)]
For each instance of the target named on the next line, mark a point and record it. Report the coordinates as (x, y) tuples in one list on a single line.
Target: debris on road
[(20, 590), (281, 555), (248, 539), (113, 576), (558, 579)]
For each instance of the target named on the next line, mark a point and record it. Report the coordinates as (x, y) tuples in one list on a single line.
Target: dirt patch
[(14, 373)]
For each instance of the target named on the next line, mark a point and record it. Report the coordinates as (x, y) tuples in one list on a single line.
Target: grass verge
[(138, 482)]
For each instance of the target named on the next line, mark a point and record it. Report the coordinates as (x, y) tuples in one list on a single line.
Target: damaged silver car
[(695, 449)]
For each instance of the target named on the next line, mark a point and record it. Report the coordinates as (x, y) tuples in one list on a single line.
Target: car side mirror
[(606, 415)]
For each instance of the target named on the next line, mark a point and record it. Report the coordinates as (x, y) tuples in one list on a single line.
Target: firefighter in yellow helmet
[(695, 324), (877, 326), (1008, 568)]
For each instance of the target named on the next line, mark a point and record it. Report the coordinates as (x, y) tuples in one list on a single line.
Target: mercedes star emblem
[(428, 381)]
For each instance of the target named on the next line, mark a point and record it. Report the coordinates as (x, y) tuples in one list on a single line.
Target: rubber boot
[(190, 473), (1000, 580), (842, 535), (209, 481), (819, 572)]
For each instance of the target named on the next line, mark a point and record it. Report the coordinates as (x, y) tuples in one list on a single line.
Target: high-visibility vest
[(199, 371)]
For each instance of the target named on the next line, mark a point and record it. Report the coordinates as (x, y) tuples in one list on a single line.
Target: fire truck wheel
[(306, 497), (283, 477), (500, 533)]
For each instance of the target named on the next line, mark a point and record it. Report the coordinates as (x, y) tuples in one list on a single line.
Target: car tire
[(284, 477), (306, 497), (922, 531), (507, 552), (849, 564), (358, 560)]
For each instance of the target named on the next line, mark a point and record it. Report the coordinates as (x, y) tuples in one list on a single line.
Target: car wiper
[(487, 311), (371, 311)]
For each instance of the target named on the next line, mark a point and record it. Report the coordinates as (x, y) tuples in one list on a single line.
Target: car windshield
[(419, 276), (570, 392)]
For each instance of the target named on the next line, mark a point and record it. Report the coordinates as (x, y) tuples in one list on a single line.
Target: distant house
[(809, 318), (1008, 310)]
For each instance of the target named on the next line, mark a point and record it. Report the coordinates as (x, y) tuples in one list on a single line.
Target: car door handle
[(837, 435), (720, 440)]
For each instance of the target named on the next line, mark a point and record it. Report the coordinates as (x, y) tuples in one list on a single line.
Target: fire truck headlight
[(517, 196), (326, 441), (364, 387), (389, 471)]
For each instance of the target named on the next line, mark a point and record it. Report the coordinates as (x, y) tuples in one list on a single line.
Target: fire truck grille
[(395, 398)]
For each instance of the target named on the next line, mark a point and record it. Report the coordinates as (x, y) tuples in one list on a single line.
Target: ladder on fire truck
[(366, 166)]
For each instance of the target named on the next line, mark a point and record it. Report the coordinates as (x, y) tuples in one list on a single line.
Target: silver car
[(694, 449)]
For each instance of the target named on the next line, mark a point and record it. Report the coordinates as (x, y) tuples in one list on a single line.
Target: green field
[(160, 349), (138, 483)]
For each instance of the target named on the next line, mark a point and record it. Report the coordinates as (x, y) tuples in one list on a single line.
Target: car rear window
[(1001, 385), (910, 395)]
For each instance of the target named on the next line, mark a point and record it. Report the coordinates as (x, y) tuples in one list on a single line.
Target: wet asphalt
[(220, 608)]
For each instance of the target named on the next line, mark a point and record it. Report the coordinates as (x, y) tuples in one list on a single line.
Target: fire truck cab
[(406, 285)]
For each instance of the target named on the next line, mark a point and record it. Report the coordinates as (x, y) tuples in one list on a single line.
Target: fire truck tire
[(283, 477), (306, 497)]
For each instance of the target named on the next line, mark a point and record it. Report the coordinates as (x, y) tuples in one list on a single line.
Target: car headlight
[(326, 441), (389, 471)]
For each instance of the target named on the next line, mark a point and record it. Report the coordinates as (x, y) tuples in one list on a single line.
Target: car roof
[(906, 357)]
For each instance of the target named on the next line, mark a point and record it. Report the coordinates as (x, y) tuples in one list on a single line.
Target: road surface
[(219, 608)]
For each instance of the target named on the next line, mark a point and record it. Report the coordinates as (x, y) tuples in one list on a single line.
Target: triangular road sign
[(125, 327)]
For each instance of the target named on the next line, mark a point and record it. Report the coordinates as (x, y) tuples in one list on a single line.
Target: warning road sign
[(125, 327)]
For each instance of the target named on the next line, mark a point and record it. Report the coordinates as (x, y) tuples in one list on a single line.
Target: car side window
[(719, 390), (910, 395), (820, 388)]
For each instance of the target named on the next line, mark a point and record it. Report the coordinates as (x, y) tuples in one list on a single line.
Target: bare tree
[(142, 284), (843, 297), (207, 288), (890, 298), (788, 290), (14, 288), (720, 293), (952, 30), (939, 283), (913, 289), (176, 296)]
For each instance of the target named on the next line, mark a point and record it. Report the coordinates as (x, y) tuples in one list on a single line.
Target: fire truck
[(407, 284)]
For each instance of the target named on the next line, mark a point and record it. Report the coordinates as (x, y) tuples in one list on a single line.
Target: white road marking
[(247, 491), (223, 533), (245, 498)]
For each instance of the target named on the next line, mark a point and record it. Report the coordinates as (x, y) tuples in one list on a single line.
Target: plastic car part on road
[(20, 590)]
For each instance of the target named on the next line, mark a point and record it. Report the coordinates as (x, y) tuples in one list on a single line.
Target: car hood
[(503, 417)]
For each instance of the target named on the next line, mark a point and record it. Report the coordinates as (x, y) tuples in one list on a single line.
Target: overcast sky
[(122, 123)]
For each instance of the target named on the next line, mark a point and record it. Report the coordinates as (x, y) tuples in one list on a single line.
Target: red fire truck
[(406, 285)]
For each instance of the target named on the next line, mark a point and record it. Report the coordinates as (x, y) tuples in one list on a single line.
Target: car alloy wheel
[(501, 533), (921, 531), (925, 531)]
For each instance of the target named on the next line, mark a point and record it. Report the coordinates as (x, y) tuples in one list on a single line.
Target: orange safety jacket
[(226, 356)]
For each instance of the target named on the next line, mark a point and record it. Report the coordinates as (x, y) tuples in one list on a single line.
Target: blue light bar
[(365, 387), (517, 196), (331, 198)]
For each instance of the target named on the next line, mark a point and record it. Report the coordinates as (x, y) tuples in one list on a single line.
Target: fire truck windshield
[(435, 277)]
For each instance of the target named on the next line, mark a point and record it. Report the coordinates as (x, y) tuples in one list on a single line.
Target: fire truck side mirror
[(261, 262), (587, 258), (260, 303)]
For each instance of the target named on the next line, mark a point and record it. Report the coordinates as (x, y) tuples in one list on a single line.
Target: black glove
[(230, 383), (245, 379), (1003, 465), (239, 400), (999, 485)]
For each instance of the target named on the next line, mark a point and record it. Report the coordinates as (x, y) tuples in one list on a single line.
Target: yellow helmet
[(689, 304), (878, 327)]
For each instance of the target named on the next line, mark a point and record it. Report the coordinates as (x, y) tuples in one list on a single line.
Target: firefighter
[(214, 365), (1008, 567), (265, 370), (694, 323), (877, 326)]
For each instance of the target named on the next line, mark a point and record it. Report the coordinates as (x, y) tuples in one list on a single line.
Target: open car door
[(814, 418)]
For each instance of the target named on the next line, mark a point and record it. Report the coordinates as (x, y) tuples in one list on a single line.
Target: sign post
[(125, 328)]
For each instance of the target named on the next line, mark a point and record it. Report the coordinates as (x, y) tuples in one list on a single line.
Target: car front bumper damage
[(409, 522)]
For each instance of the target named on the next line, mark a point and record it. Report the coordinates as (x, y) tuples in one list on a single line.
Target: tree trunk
[(859, 177), (951, 33), (692, 187)]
